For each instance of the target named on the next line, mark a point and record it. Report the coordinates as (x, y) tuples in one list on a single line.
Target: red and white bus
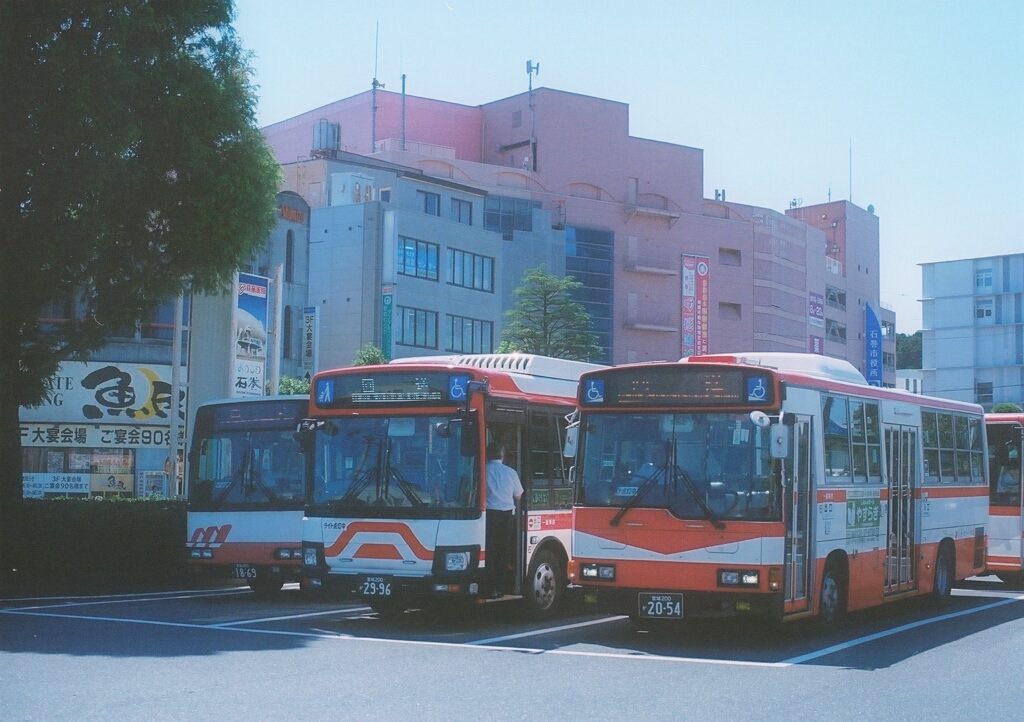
[(395, 508), (246, 490), (1005, 440), (773, 484)]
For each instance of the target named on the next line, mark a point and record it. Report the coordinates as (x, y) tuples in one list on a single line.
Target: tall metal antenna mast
[(531, 70), (373, 93)]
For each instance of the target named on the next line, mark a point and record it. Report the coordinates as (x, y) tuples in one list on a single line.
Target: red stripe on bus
[(1004, 510), (946, 492)]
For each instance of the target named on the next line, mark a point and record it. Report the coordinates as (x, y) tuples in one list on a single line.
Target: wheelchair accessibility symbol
[(756, 389), (457, 387), (594, 393)]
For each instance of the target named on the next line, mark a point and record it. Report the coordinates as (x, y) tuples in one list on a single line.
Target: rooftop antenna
[(851, 169), (531, 70), (373, 92)]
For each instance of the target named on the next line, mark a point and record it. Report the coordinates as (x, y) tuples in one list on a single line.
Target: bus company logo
[(211, 536)]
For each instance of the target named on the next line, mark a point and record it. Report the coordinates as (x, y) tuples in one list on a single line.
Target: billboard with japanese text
[(696, 279), (251, 314)]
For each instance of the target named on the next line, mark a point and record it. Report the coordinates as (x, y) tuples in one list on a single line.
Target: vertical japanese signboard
[(251, 313), (386, 319), (816, 309), (310, 340), (696, 279), (872, 347)]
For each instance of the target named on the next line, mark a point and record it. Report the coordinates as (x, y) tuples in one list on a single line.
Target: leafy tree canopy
[(547, 321), (908, 350), (1006, 407), (292, 385), (369, 355), (131, 167)]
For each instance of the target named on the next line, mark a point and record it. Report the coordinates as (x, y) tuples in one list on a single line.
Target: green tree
[(1006, 407), (547, 321), (292, 385), (369, 355), (131, 168), (908, 350)]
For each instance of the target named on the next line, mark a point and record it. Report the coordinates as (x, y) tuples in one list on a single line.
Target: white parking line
[(346, 610), (547, 630), (231, 590), (134, 599)]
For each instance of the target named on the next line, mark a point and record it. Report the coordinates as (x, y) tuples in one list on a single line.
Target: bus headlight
[(601, 572), (456, 561), (738, 578)]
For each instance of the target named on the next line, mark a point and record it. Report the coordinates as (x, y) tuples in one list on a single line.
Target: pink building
[(666, 271)]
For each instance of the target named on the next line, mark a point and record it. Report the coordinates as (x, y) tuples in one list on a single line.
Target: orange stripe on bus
[(377, 551), (379, 527)]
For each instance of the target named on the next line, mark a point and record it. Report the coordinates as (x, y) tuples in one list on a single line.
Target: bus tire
[(945, 569), (832, 598), (545, 584), (266, 586)]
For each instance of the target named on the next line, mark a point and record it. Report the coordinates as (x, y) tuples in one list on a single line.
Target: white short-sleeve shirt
[(503, 486)]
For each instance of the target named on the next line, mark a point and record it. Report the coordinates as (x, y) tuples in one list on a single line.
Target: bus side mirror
[(572, 437), (470, 442)]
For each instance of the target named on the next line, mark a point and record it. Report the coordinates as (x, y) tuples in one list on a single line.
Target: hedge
[(71, 544)]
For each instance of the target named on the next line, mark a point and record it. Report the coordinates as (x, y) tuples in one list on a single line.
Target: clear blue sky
[(929, 94)]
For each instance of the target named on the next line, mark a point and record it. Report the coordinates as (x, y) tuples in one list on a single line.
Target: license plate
[(661, 606), (375, 587), (243, 571)]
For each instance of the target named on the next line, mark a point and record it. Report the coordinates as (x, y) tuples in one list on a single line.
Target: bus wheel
[(266, 586), (544, 584), (943, 586), (387, 609), (832, 603)]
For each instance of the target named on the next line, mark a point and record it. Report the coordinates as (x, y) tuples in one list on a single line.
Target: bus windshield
[(395, 466), (704, 466), (247, 469)]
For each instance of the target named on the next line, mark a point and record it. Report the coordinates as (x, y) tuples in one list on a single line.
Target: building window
[(730, 257), (889, 361), (517, 118), (470, 335), (983, 392), (385, 195), (289, 257), (730, 311), (835, 331), (462, 211), (506, 215), (417, 327), (589, 254), (983, 279), (983, 308), (888, 330), (835, 297), (418, 258), (431, 203), (470, 270)]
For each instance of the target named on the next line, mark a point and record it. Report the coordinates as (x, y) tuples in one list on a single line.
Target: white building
[(973, 336)]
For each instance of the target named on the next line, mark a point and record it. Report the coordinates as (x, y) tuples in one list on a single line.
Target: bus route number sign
[(661, 606)]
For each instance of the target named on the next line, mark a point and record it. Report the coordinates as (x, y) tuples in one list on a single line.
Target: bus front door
[(797, 475)]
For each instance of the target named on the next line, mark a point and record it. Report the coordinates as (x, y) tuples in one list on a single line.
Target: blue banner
[(872, 347)]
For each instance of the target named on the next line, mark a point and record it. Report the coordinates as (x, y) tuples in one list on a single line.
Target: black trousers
[(499, 547)]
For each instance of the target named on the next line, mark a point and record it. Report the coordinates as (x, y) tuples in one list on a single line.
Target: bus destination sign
[(389, 389), (678, 386)]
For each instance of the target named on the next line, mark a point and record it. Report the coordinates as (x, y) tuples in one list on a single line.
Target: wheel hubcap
[(544, 586)]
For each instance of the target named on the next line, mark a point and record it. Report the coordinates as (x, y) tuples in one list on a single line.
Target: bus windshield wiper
[(678, 473), (364, 474), (638, 495)]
